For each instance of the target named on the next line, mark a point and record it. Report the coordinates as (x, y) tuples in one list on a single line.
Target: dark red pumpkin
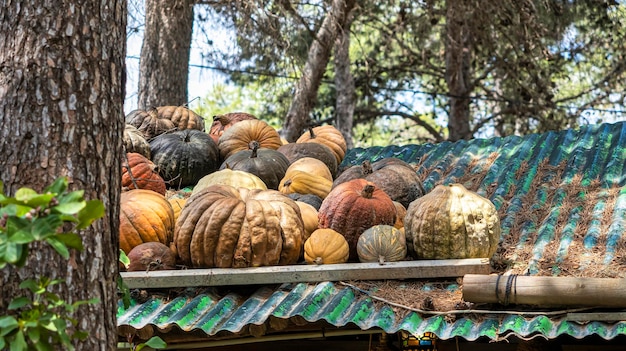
[(151, 256), (222, 122), (353, 207), (140, 173)]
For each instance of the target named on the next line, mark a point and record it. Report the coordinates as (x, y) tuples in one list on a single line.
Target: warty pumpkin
[(240, 135), (305, 183), (221, 226), (353, 207), (237, 179), (269, 165), (394, 176), (157, 121), (296, 151), (222, 122), (134, 141), (326, 246), (181, 117), (145, 216), (451, 222), (329, 136), (140, 173), (183, 157), (381, 243)]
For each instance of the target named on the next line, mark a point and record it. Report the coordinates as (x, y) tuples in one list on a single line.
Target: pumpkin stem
[(287, 182), (381, 260), (367, 168), (367, 191), (254, 146), (318, 260), (312, 133)]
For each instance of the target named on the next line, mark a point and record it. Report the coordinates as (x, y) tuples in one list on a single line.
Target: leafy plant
[(53, 216)]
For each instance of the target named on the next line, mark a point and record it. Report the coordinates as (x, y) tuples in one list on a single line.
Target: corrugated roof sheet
[(561, 201)]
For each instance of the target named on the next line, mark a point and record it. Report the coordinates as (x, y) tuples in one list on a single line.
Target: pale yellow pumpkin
[(237, 179), (310, 165), (305, 183)]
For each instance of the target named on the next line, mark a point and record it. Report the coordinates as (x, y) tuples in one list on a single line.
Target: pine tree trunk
[(61, 114), (297, 119), (164, 63), (458, 55), (344, 83)]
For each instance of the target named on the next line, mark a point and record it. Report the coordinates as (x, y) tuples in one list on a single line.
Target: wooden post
[(544, 291)]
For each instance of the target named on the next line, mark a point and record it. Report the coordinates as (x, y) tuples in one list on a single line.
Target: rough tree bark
[(61, 114), (164, 62), (344, 83), (458, 44), (297, 119)]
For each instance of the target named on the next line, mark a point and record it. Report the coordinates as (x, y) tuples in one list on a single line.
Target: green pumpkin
[(267, 164)]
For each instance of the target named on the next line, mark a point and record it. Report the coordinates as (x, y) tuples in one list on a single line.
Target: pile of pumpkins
[(258, 200)]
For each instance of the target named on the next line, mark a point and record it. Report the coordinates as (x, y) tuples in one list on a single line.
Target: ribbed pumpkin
[(309, 218), (221, 226), (237, 179), (134, 141), (296, 151), (353, 207), (151, 256), (140, 173), (326, 246), (381, 243), (327, 135), (240, 135), (157, 121), (310, 165), (305, 183), (145, 216), (177, 204), (400, 213), (451, 222), (185, 156), (225, 121), (394, 176), (268, 164)]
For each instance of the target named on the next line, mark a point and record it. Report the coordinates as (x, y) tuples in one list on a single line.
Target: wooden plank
[(306, 273), (545, 291), (596, 316)]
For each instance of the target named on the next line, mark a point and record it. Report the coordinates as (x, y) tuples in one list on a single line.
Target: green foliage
[(41, 322)]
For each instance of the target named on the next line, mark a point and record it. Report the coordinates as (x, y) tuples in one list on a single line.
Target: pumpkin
[(326, 246), (139, 173), (157, 121), (305, 183), (310, 199), (185, 156), (451, 222), (294, 152), (353, 207), (177, 204), (309, 218), (151, 256), (381, 243), (222, 226), (400, 213), (269, 165), (310, 165), (225, 121), (145, 216), (329, 136), (394, 176), (240, 135), (237, 179), (134, 141)]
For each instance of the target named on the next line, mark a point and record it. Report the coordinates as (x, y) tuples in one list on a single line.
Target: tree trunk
[(164, 63), (62, 79), (344, 83), (458, 45), (297, 119)]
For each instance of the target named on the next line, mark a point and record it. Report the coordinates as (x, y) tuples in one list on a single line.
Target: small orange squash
[(326, 246), (381, 243), (309, 218), (327, 135)]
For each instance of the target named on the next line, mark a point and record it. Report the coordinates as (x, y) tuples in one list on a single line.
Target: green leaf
[(7, 325), (39, 200), (43, 227), (156, 343), (3, 343), (33, 335), (124, 290), (74, 196), (43, 346), (70, 207), (124, 258), (19, 302), (13, 253), (59, 186), (59, 247), (71, 240), (23, 236), (31, 285), (92, 211), (24, 194), (19, 343)]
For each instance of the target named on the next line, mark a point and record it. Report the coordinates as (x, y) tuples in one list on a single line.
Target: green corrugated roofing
[(561, 201)]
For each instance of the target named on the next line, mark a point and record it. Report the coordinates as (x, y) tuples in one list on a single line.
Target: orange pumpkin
[(140, 173), (327, 135), (326, 246), (222, 122), (241, 135)]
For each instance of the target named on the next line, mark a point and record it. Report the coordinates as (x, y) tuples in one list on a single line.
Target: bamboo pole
[(544, 291)]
